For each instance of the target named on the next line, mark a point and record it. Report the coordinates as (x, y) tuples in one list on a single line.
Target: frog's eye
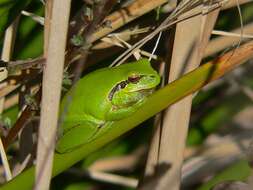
[(134, 79)]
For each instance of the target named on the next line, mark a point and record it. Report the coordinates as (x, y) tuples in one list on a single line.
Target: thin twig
[(231, 34), (223, 42), (35, 17), (5, 162)]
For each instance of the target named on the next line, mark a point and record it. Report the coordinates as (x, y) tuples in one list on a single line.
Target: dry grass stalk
[(5, 162), (52, 79), (186, 7), (112, 178), (176, 119), (105, 177), (127, 14), (8, 89), (223, 42), (231, 34), (8, 45), (229, 4), (233, 3)]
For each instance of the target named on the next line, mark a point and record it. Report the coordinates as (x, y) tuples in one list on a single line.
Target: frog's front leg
[(80, 133)]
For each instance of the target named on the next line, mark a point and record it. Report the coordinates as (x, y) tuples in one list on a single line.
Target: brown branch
[(20, 123)]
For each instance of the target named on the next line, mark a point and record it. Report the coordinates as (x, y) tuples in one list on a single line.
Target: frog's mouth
[(146, 92)]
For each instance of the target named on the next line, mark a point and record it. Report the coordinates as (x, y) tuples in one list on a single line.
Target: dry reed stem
[(178, 115), (231, 34), (5, 162), (47, 25), (8, 89), (233, 3), (126, 15), (105, 177), (229, 4), (187, 46), (112, 178), (223, 42), (52, 79), (8, 46)]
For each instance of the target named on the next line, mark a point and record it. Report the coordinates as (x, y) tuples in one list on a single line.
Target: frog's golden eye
[(134, 79)]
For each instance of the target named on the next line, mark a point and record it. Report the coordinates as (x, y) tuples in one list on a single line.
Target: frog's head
[(139, 81)]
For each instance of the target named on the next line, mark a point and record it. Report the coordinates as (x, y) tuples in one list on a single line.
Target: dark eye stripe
[(116, 88)]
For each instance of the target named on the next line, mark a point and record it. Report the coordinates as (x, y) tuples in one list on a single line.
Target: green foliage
[(29, 42), (9, 9), (238, 171), (216, 117), (77, 40), (9, 116)]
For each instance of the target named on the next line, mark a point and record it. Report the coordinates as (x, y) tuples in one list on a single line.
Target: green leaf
[(9, 10), (238, 171)]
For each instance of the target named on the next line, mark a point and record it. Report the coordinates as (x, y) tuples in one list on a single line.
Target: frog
[(102, 97)]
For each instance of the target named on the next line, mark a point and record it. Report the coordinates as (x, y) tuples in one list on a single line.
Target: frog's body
[(102, 97)]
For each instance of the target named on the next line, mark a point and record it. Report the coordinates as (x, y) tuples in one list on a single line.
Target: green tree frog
[(101, 97)]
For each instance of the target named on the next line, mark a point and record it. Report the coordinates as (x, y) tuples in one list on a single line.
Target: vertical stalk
[(51, 90)]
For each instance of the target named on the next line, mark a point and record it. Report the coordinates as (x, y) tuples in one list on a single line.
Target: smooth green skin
[(93, 110)]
